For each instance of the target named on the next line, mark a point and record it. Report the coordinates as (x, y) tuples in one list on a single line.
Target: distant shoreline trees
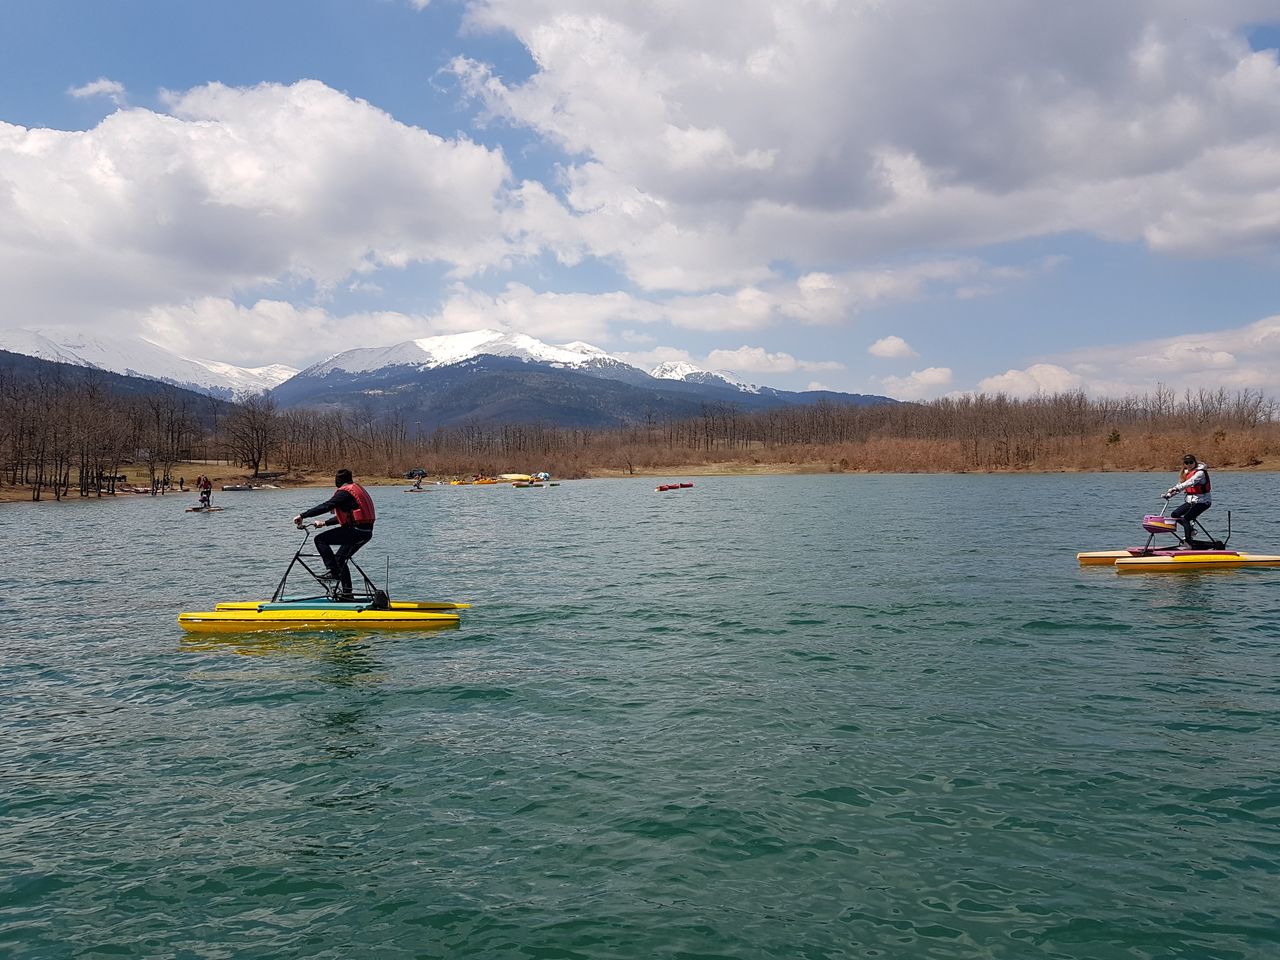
[(65, 430)]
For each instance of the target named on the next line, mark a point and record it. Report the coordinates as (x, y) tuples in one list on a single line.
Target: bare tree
[(252, 430)]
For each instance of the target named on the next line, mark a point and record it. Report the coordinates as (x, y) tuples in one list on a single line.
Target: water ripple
[(721, 725)]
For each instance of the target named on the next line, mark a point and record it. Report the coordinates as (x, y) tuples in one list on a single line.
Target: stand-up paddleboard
[(205, 509)]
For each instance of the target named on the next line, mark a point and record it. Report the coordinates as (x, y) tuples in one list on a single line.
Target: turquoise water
[(801, 717)]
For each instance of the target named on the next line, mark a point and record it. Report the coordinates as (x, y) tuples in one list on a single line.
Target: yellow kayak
[(320, 614)]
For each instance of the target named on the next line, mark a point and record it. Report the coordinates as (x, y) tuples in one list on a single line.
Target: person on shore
[(1193, 483), (354, 516)]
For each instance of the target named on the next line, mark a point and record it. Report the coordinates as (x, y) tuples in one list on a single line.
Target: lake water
[(793, 717)]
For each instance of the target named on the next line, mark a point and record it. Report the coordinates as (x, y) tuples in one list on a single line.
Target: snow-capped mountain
[(486, 376), (428, 353), (683, 370), (136, 357)]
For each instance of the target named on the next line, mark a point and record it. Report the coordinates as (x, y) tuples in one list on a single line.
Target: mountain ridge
[(493, 389), (139, 357), (483, 376)]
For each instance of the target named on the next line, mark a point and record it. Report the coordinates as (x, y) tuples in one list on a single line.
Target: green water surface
[(792, 717)]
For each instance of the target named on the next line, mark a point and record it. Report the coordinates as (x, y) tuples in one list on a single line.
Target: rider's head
[(343, 477), (1189, 460)]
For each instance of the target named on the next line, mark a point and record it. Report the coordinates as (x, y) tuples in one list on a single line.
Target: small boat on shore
[(237, 486)]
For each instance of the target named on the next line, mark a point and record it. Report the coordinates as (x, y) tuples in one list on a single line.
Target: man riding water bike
[(1193, 483), (353, 513)]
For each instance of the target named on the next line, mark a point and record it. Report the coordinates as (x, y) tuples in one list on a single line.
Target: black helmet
[(343, 477), (1189, 459)]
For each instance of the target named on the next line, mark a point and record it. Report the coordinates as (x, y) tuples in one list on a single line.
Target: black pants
[(348, 540), (1185, 513)]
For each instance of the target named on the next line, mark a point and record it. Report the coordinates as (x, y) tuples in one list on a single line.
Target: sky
[(905, 198)]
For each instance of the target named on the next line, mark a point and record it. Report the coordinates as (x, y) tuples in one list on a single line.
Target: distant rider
[(1194, 483), (206, 492), (353, 513)]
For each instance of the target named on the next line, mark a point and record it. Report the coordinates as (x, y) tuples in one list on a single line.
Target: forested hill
[(49, 377), (504, 390)]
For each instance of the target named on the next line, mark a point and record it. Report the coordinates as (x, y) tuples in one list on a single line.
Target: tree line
[(66, 430)]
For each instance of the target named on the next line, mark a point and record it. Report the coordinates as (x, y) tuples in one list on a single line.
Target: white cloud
[(236, 189), (102, 87), (827, 298), (703, 150), (1035, 379), (270, 330), (758, 360), (1181, 356), (1242, 358), (556, 317), (892, 347), (919, 384)]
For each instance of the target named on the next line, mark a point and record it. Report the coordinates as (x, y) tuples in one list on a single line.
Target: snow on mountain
[(674, 370), (683, 370), (429, 352), (249, 379), (136, 357)]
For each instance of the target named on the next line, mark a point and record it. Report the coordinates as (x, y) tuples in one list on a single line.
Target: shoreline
[(319, 480)]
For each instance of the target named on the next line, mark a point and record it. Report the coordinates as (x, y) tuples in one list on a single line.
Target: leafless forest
[(71, 434)]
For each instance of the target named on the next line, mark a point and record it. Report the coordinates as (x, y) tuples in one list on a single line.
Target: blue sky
[(890, 198)]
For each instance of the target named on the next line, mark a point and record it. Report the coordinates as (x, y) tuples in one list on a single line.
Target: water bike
[(1184, 554), (366, 608)]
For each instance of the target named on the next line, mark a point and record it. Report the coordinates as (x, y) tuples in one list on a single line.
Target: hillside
[(491, 389)]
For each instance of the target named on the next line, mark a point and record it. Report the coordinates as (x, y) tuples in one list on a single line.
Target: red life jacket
[(362, 515), (1196, 489)]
